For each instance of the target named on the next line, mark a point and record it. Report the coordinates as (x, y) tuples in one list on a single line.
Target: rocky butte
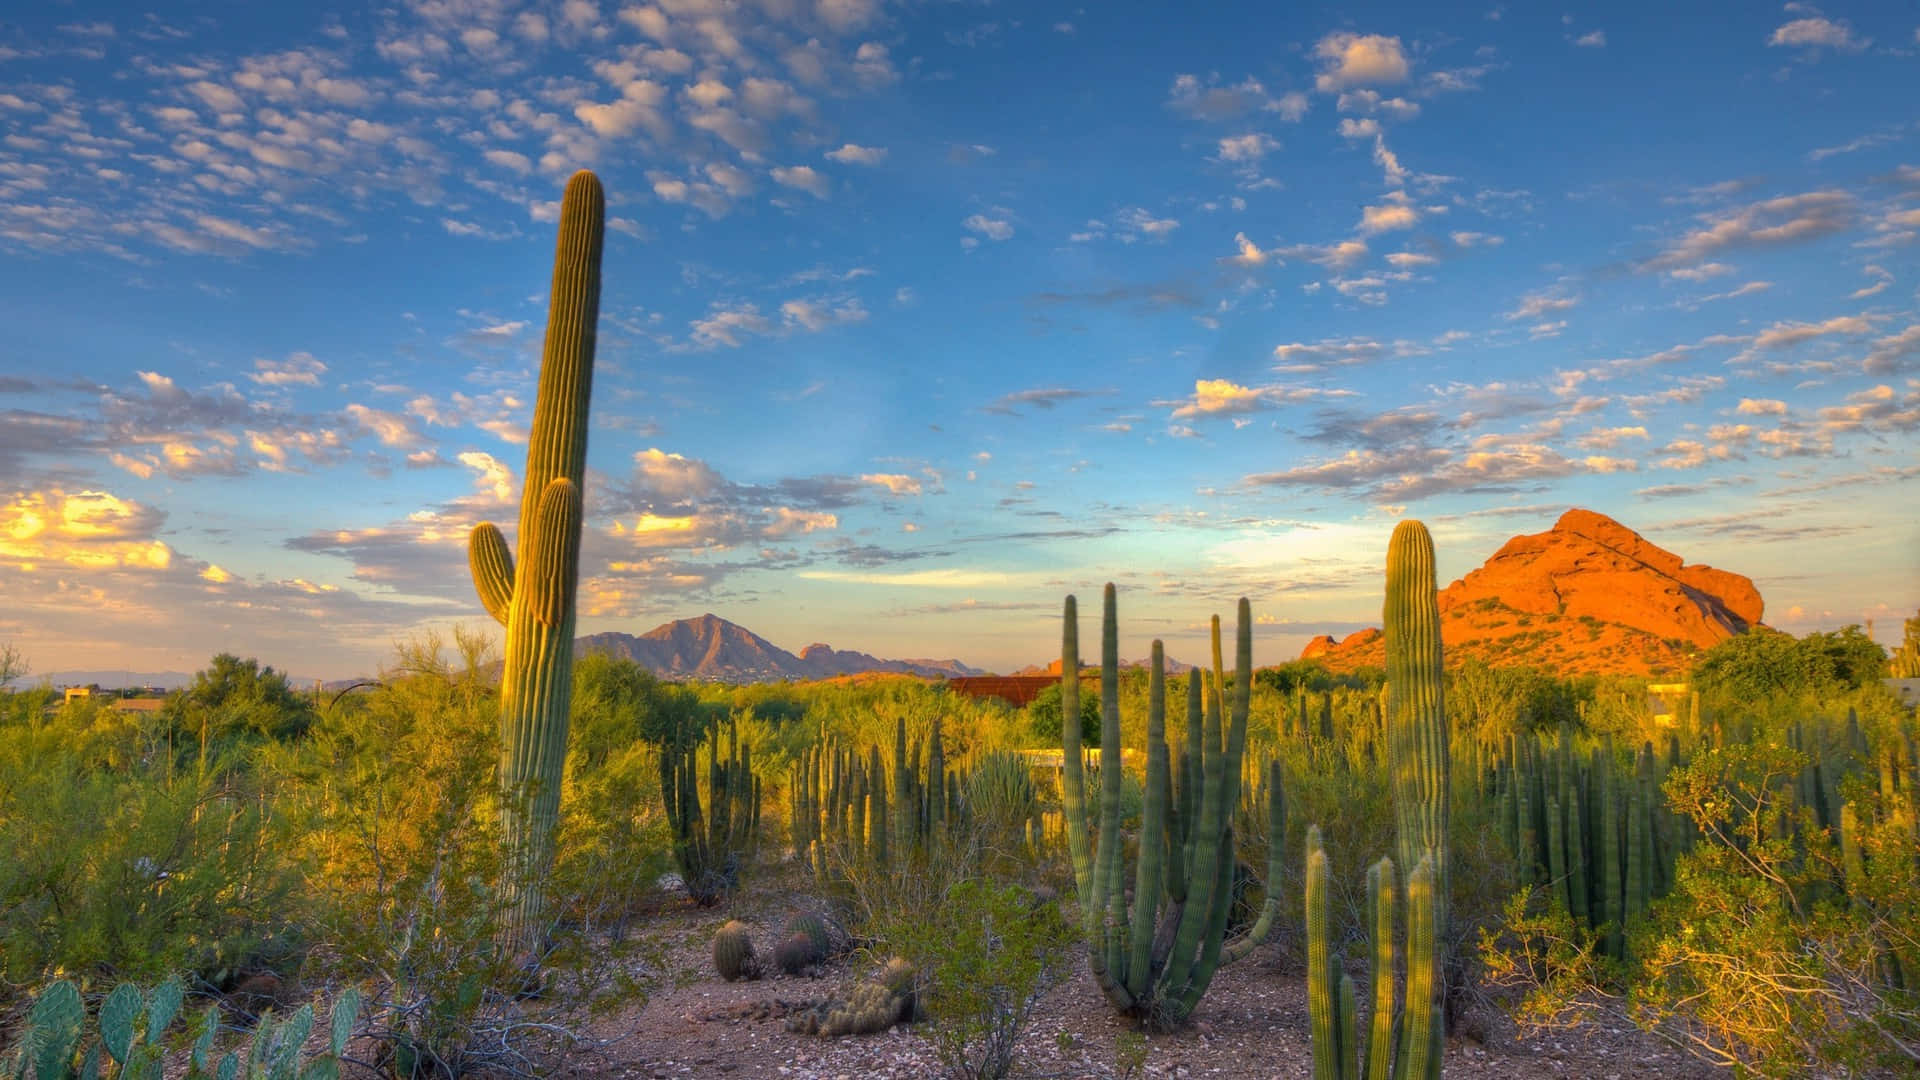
[(1587, 596)]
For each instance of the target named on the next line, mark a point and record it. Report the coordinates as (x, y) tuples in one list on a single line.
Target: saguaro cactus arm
[(492, 566)]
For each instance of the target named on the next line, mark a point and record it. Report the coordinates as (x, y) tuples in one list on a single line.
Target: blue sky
[(917, 317)]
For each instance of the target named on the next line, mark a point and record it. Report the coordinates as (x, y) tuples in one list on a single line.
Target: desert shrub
[(1043, 717), (1764, 663), (136, 871), (985, 952), (401, 815), (1769, 955)]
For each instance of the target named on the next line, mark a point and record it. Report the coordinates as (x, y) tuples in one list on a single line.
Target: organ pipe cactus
[(1155, 958), (533, 595), (711, 844), (1406, 1046)]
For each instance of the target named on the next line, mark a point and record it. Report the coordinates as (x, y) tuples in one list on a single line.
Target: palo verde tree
[(533, 595)]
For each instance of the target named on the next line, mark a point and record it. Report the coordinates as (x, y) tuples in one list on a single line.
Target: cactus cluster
[(55, 1044), (533, 595), (712, 837), (868, 1009), (1590, 827), (1413, 1033), (1155, 958), (846, 809)]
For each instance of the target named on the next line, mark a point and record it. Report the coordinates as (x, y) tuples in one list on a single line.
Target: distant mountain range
[(159, 680), (713, 649), (708, 648)]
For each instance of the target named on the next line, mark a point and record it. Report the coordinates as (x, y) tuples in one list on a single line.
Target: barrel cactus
[(797, 953), (733, 954), (533, 595)]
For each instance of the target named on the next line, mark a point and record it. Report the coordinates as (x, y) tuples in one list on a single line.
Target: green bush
[(985, 953), (138, 872), (1043, 717)]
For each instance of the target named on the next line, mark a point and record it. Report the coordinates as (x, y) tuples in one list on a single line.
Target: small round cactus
[(733, 952), (797, 953), (815, 927)]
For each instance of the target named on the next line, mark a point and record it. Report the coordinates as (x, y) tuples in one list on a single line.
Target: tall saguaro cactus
[(533, 595), (1420, 766)]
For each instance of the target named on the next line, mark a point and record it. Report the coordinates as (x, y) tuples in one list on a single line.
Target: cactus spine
[(533, 595), (1155, 959)]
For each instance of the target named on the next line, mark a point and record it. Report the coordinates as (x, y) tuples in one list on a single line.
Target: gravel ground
[(1252, 1023)]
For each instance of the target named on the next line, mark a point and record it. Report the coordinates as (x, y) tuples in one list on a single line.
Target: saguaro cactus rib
[(533, 595)]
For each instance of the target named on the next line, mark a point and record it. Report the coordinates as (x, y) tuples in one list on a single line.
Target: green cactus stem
[(1380, 891), (1323, 1002)]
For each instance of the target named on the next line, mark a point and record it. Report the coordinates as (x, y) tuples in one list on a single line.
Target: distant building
[(1016, 690), (1669, 702), (141, 704), (77, 693)]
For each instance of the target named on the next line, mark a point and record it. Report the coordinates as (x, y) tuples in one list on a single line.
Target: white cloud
[(392, 429), (1377, 219), (1818, 33), (1348, 59), (1701, 272), (1592, 39), (1250, 147), (1881, 277), (854, 154), (804, 177), (300, 368), (991, 228), (674, 477), (1769, 223), (895, 483), (1538, 305), (1783, 334), (1250, 253)]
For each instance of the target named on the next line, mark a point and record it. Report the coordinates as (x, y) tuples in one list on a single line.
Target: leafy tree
[(237, 700), (12, 665), (1764, 662), (1043, 715)]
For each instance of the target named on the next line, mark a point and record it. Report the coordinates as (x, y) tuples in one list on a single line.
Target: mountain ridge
[(711, 648)]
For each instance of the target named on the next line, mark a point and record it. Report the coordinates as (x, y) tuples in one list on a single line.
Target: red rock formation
[(1589, 594)]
